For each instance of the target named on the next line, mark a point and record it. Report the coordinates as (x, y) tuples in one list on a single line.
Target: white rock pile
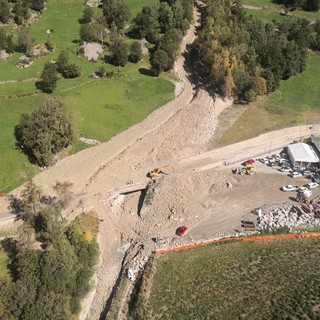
[(288, 216)]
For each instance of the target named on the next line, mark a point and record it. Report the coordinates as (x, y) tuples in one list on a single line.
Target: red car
[(181, 231), (250, 161)]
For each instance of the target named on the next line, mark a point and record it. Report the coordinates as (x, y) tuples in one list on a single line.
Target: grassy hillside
[(295, 102), (259, 280), (102, 108)]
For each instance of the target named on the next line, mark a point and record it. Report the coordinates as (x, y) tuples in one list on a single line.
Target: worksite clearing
[(139, 214)]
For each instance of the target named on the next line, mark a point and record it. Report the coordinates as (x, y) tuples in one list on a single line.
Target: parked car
[(250, 161), (315, 177), (264, 160), (312, 185), (181, 231), (302, 189), (307, 173), (285, 169), (295, 174), (290, 187)]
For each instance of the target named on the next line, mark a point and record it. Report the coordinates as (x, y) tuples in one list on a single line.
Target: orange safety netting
[(253, 238)]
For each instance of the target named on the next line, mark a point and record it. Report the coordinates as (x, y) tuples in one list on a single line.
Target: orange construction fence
[(253, 238)]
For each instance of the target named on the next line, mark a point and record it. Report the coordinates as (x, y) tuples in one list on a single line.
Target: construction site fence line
[(243, 239)]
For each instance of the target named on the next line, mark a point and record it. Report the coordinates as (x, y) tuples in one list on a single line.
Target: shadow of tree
[(15, 206), (147, 72)]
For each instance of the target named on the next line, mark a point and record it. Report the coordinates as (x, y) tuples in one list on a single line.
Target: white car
[(290, 187), (312, 185), (264, 160), (285, 169), (295, 174)]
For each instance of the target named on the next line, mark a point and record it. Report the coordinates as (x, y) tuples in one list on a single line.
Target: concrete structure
[(302, 155)]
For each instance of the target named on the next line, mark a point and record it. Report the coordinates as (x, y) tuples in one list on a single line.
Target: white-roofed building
[(302, 155)]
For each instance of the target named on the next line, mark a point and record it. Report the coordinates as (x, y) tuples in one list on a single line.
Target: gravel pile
[(291, 216)]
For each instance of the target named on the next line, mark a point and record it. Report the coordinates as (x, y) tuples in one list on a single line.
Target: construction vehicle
[(161, 170), (246, 170)]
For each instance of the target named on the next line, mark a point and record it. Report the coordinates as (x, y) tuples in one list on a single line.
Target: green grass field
[(295, 102), (267, 15), (272, 9), (277, 279), (101, 108)]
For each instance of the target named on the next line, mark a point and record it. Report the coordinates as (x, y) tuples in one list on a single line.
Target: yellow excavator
[(246, 170), (158, 171)]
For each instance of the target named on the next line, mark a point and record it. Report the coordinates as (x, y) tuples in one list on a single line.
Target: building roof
[(303, 152)]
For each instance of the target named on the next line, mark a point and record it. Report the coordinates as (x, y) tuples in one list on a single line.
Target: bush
[(135, 52), (71, 71)]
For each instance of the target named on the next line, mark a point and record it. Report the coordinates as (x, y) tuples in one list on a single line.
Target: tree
[(44, 132), (119, 52), (91, 32), (67, 70), (87, 15), (37, 5), (62, 61), (170, 43), (49, 43), (48, 77), (312, 5), (135, 54), (147, 23), (4, 11), (165, 17), (21, 12), (71, 71), (117, 12), (30, 202), (63, 190), (25, 41), (3, 40), (159, 61)]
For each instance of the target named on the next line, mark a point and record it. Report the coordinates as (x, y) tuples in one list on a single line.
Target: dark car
[(181, 231), (315, 177)]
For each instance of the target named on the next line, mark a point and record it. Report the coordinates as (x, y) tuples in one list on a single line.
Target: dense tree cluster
[(44, 132), (116, 14), (243, 57), (19, 10), (158, 18), (163, 24), (50, 264)]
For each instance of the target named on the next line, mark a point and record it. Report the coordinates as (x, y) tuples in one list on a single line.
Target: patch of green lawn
[(269, 6), (14, 166), (267, 15), (295, 102), (268, 279), (136, 6)]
